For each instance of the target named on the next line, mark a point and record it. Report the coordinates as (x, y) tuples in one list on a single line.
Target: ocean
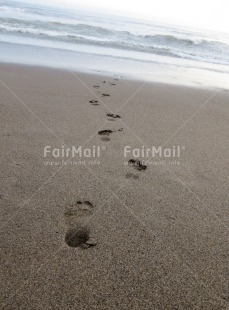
[(92, 41)]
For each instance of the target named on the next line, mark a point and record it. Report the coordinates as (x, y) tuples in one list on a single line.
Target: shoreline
[(161, 69), (156, 235), (119, 75)]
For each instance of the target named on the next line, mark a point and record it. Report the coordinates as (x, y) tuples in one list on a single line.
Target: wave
[(121, 45), (11, 10), (15, 25), (89, 31)]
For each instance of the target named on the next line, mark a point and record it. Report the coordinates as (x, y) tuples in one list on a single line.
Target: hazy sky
[(210, 14)]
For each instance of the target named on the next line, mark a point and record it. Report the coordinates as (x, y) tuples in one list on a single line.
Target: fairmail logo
[(73, 152), (154, 151)]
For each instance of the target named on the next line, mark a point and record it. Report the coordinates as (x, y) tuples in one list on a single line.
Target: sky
[(206, 14)]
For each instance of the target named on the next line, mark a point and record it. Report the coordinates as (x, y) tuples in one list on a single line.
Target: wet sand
[(114, 232)]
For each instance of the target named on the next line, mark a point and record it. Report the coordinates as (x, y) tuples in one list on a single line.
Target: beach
[(160, 227)]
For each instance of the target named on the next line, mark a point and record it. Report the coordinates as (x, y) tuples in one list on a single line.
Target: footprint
[(96, 86), (94, 102), (130, 175), (104, 81), (105, 139), (78, 234), (112, 116), (105, 132), (105, 95), (136, 164), (112, 84)]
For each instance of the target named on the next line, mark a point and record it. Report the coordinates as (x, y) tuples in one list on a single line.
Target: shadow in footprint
[(136, 164), (94, 102), (105, 134), (105, 139), (78, 235), (79, 238), (131, 176), (112, 117), (105, 95), (87, 203)]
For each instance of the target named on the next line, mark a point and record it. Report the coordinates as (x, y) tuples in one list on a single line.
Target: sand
[(154, 238)]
